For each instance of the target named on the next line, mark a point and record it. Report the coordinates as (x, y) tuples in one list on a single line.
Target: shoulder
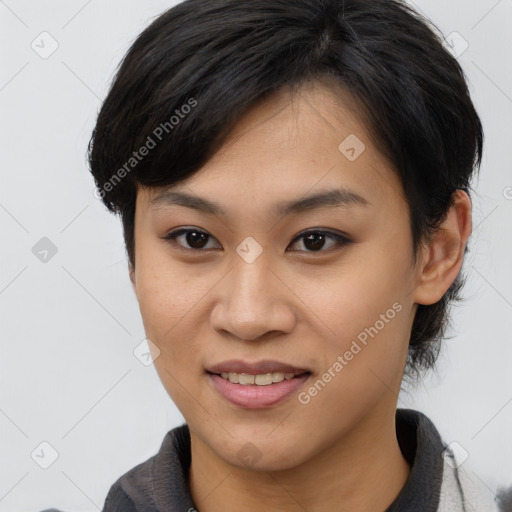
[(462, 490), (143, 487), (439, 474), (131, 489)]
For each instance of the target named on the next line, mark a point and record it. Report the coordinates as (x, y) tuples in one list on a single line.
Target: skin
[(292, 304)]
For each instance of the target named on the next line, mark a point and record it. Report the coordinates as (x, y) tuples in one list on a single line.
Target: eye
[(193, 239), (196, 239), (314, 241)]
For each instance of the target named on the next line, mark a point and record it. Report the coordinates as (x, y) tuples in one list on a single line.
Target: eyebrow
[(339, 197)]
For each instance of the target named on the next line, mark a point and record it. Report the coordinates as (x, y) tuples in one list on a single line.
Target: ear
[(442, 258)]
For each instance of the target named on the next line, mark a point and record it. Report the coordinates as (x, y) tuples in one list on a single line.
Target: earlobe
[(444, 255)]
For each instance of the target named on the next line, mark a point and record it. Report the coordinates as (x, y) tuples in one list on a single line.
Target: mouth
[(256, 385), (260, 379)]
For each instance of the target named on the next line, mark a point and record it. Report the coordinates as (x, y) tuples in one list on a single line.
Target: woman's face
[(324, 290)]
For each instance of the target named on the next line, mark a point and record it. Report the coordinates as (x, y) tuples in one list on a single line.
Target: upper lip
[(254, 368)]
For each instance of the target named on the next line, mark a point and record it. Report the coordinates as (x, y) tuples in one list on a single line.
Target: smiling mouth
[(261, 379)]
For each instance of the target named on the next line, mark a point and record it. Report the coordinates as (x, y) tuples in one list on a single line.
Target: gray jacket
[(437, 481)]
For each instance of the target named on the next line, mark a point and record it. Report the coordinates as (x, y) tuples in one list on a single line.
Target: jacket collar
[(435, 483)]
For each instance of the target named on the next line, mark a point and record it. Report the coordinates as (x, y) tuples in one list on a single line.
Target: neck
[(364, 471)]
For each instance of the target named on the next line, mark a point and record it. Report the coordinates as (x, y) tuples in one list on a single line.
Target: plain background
[(68, 373)]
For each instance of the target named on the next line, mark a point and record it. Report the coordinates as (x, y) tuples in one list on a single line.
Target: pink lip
[(253, 396), (260, 367)]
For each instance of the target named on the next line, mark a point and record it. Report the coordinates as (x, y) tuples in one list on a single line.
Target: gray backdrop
[(70, 321)]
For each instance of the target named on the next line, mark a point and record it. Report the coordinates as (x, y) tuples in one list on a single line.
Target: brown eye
[(315, 241), (191, 239)]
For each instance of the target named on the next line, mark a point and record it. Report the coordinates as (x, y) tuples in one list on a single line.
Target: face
[(252, 278)]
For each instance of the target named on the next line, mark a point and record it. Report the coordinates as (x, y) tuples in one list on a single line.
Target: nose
[(253, 301)]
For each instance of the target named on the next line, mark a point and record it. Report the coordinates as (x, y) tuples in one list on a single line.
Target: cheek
[(165, 289), (170, 305), (363, 311), (353, 297), (163, 296), (174, 305), (364, 358), (166, 307)]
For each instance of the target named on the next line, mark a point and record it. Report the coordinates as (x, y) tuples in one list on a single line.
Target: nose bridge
[(252, 293), (252, 300)]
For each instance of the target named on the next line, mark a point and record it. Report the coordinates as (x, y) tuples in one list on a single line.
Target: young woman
[(293, 181)]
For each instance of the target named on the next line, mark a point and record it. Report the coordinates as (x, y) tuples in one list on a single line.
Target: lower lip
[(252, 396)]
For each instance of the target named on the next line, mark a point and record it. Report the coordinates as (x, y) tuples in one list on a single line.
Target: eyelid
[(172, 235), (341, 238)]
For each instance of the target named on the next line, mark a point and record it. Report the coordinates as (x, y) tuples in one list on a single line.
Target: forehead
[(292, 145)]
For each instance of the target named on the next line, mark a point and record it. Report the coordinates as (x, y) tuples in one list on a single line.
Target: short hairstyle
[(197, 68)]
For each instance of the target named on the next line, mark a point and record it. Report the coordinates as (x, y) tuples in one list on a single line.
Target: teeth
[(263, 379), (245, 379), (277, 376)]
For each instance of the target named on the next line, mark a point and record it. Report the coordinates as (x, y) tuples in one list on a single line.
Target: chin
[(260, 453)]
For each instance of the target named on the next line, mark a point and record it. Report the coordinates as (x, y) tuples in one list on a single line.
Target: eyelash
[(340, 239)]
